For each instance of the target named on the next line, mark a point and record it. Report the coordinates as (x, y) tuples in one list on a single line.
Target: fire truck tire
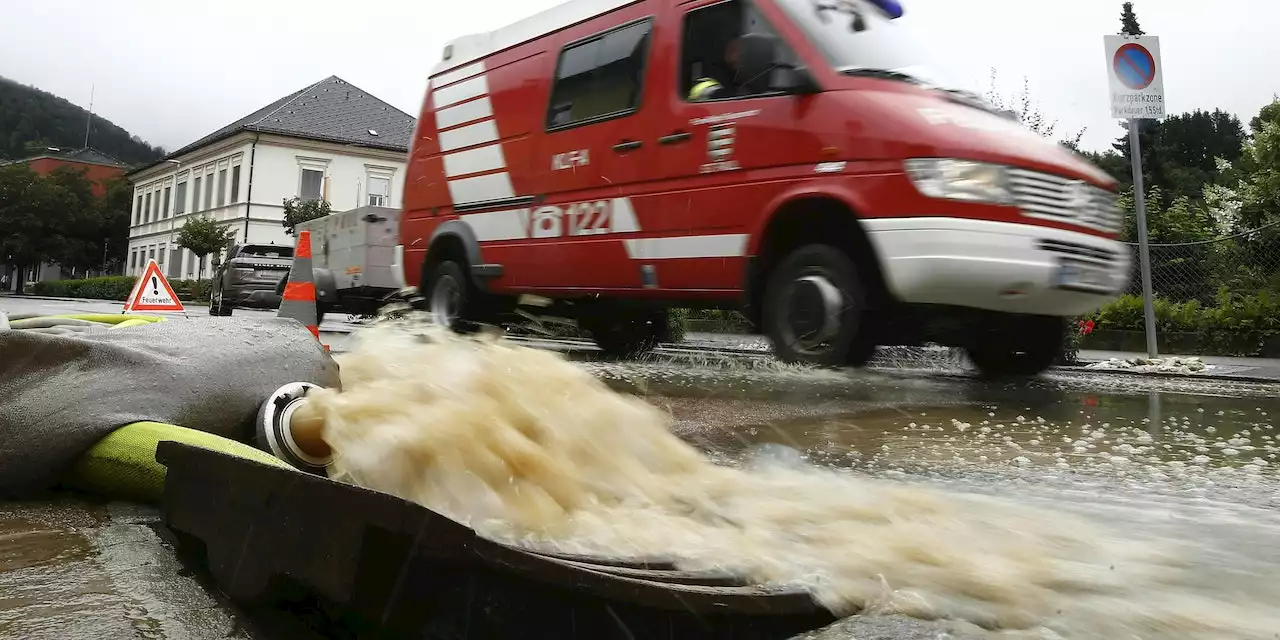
[(449, 296), (813, 308), (627, 333), (1016, 346)]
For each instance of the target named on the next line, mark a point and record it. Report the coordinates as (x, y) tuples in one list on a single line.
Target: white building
[(330, 140)]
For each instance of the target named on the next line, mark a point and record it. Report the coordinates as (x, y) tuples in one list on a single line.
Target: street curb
[(1160, 374)]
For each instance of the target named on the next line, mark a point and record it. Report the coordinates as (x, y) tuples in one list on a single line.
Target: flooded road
[(1157, 460), (1147, 457)]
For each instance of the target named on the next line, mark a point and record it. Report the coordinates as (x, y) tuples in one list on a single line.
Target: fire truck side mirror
[(796, 81)]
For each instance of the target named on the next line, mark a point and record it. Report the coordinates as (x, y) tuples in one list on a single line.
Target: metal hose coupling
[(291, 431)]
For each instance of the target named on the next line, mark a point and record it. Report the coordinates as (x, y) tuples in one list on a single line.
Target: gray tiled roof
[(87, 154), (332, 110)]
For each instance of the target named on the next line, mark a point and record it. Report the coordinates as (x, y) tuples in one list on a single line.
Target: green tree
[(112, 235), (80, 227), (203, 236), (1114, 164), (1268, 113), (35, 215), (298, 211), (1129, 21), (1028, 112), (1183, 152)]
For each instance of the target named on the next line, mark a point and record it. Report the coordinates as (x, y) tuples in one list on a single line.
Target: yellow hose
[(122, 466), (118, 319)]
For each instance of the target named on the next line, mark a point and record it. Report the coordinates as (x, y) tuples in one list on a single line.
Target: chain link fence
[(1246, 263), (1215, 297)]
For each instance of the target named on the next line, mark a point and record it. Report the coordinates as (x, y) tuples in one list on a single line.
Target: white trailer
[(356, 261)]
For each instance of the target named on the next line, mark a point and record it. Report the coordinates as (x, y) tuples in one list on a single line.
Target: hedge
[(1234, 313), (1236, 324), (116, 288)]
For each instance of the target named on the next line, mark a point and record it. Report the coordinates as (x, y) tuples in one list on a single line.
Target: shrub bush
[(105, 288), (116, 288), (1235, 313), (1236, 324)]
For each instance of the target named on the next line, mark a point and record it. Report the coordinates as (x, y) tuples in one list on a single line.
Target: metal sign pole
[(1144, 255)]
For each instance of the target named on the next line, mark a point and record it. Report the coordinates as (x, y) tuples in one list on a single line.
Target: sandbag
[(60, 394)]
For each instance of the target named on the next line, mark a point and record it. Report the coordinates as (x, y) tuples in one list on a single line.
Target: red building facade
[(98, 166)]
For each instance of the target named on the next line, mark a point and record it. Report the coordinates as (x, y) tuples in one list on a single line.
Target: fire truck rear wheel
[(1016, 345), (448, 296), (813, 308), (626, 333)]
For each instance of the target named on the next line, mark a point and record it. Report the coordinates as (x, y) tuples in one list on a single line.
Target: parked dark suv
[(248, 278)]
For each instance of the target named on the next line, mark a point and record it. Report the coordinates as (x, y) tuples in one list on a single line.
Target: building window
[(191, 264), (161, 258), (208, 191), (146, 209), (235, 184), (155, 205), (222, 187), (167, 192), (180, 199), (137, 212), (600, 78), (379, 191), (312, 184), (133, 260), (195, 196)]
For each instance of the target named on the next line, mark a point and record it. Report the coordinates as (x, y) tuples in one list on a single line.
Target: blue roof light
[(891, 8)]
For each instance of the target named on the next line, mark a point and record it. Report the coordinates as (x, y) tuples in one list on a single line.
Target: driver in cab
[(748, 62), (708, 88)]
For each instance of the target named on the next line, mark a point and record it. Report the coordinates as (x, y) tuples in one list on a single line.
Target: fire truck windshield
[(856, 37)]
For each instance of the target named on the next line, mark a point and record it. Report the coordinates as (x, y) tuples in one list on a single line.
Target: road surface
[(1148, 459)]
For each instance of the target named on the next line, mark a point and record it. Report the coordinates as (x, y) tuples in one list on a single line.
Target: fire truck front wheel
[(813, 308)]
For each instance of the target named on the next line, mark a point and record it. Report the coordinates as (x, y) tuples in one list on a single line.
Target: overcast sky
[(172, 72)]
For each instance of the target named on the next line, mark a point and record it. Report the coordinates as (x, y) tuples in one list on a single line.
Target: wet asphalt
[(1116, 446)]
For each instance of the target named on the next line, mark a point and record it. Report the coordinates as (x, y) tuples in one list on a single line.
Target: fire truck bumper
[(998, 266)]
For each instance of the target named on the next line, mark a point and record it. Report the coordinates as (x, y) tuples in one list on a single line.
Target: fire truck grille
[(1050, 197)]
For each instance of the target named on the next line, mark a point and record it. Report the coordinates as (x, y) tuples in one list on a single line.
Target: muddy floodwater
[(1149, 462), (1155, 459)]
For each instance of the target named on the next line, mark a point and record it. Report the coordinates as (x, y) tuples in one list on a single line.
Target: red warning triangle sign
[(152, 292)]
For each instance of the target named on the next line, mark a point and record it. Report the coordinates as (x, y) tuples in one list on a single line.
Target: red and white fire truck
[(619, 158)]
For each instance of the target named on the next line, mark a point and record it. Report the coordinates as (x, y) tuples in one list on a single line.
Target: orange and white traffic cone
[(299, 299)]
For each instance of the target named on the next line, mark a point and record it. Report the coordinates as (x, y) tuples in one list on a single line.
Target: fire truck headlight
[(954, 179)]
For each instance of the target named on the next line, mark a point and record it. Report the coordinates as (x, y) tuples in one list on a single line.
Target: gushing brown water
[(524, 446)]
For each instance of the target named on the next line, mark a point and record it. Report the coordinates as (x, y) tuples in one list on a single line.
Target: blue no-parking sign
[(1136, 76)]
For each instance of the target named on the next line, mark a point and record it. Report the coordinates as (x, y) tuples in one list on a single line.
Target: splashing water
[(526, 447)]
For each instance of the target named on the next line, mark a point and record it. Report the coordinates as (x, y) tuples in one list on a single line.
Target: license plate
[(1076, 276), (268, 273)]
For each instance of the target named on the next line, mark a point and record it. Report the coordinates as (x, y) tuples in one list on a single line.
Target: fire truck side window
[(600, 77), (708, 53)]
